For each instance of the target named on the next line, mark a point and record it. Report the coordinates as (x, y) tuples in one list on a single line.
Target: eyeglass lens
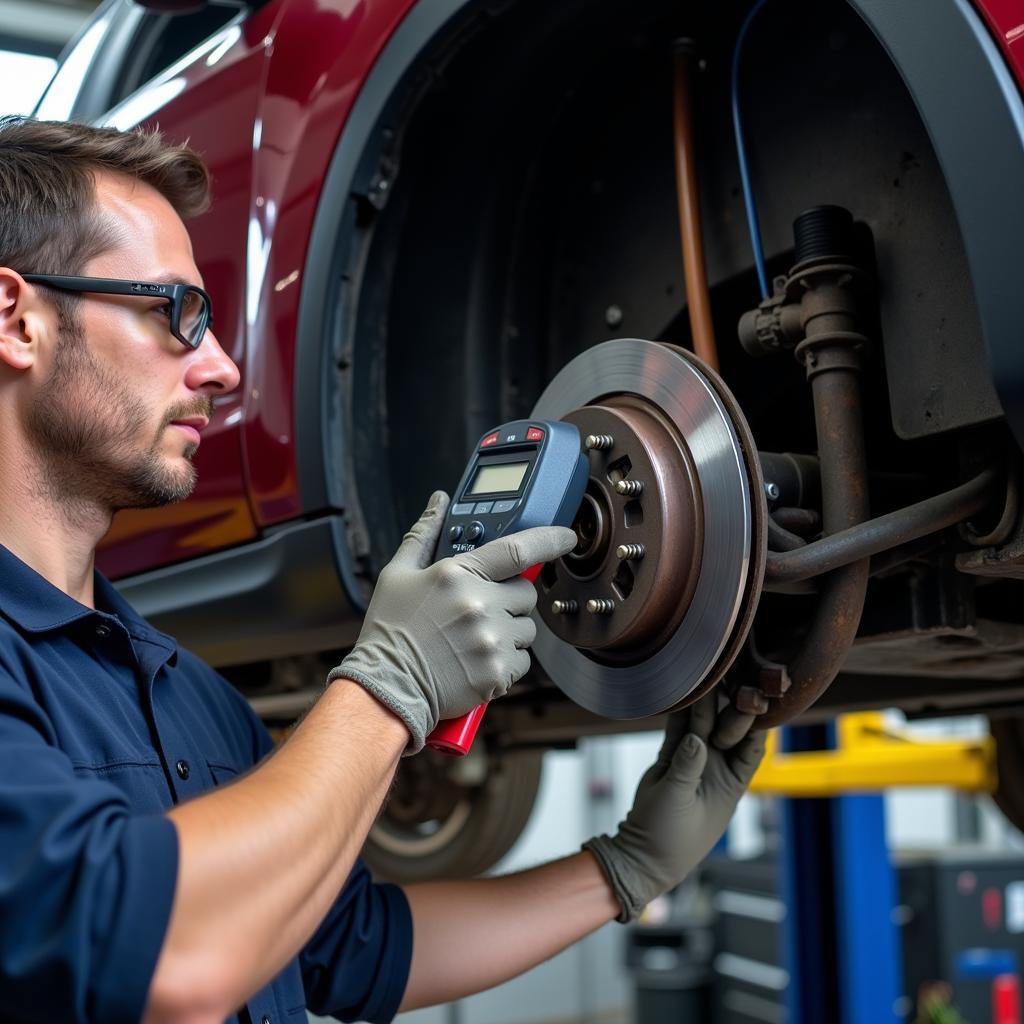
[(194, 315)]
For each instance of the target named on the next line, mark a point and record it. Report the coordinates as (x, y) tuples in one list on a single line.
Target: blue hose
[(741, 153)]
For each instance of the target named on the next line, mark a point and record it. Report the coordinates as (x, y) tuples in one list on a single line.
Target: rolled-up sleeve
[(86, 887), (356, 966)]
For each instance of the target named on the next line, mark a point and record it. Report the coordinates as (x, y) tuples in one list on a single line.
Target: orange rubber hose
[(698, 298)]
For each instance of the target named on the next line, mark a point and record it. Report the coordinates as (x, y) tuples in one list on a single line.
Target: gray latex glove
[(682, 805), (439, 638)]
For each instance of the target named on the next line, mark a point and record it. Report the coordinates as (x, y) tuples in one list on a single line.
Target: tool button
[(482, 508), (475, 532), (503, 506), (489, 440), (534, 434), (455, 533), (465, 509)]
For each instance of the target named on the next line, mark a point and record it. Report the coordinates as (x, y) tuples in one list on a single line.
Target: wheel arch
[(323, 429)]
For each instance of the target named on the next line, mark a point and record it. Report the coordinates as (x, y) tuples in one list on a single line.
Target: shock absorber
[(816, 312)]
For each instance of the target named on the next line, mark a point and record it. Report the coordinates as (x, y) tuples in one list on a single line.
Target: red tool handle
[(455, 735)]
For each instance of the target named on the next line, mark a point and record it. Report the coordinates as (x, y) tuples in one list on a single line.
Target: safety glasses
[(188, 306)]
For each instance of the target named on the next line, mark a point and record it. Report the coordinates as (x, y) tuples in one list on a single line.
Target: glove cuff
[(348, 669), (604, 850)]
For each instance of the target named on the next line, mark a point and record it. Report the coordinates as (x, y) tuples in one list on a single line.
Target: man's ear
[(23, 321)]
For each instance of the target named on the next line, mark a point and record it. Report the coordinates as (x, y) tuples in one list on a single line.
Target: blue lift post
[(841, 943)]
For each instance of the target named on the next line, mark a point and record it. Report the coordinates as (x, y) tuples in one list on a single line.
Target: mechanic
[(159, 861)]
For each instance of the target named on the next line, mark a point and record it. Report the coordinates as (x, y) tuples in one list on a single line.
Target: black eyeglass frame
[(174, 293)]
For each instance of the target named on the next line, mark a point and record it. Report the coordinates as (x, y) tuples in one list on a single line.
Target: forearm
[(469, 936), (262, 860)]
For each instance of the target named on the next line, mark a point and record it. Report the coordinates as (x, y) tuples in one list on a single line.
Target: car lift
[(839, 886), (869, 755)]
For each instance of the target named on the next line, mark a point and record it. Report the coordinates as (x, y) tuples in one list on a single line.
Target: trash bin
[(670, 968)]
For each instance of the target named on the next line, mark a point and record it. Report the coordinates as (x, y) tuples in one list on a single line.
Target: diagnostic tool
[(522, 474)]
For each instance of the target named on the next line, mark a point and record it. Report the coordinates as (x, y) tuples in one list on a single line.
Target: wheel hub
[(617, 530), (651, 607)]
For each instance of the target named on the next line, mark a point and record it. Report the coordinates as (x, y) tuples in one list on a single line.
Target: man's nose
[(211, 367)]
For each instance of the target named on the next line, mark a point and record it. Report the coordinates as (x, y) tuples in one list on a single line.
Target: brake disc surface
[(669, 618)]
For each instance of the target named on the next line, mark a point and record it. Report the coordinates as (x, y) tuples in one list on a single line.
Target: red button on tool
[(535, 434), (489, 440)]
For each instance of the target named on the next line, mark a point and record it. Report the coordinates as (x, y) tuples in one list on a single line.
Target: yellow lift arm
[(871, 756)]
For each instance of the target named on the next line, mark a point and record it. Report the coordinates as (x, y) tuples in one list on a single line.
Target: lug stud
[(629, 488), (564, 607), (598, 442), (630, 552), (600, 606)]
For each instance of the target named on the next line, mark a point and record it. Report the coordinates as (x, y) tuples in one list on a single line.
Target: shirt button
[(183, 769), (103, 630), (266, 1019)]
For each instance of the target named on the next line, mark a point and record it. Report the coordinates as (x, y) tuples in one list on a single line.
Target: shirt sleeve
[(356, 966), (86, 888)]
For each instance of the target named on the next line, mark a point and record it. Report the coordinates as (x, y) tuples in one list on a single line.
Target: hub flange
[(649, 595)]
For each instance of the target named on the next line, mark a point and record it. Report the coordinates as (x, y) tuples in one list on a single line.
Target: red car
[(424, 211)]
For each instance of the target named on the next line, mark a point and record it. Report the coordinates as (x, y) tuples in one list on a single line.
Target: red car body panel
[(1005, 18), (321, 55), (265, 103)]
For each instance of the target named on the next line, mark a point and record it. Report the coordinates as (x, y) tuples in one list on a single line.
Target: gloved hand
[(439, 639), (682, 805)]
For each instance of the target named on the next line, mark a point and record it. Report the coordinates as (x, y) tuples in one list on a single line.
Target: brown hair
[(48, 216)]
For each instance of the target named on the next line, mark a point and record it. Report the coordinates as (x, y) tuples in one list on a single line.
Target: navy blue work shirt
[(105, 724)]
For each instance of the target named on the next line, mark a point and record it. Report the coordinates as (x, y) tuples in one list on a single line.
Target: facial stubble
[(86, 425)]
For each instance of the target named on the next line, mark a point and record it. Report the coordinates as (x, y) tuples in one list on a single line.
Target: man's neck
[(56, 539)]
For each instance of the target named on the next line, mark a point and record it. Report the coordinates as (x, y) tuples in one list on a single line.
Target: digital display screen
[(506, 476)]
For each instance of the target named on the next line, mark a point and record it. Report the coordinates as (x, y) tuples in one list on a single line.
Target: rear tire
[(439, 824)]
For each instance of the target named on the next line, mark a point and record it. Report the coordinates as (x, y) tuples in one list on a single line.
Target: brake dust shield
[(652, 606)]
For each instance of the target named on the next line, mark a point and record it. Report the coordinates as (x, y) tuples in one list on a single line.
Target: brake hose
[(741, 153)]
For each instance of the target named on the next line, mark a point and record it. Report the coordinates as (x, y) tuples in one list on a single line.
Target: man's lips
[(191, 426)]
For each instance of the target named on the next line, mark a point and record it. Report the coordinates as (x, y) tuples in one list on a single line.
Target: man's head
[(101, 394)]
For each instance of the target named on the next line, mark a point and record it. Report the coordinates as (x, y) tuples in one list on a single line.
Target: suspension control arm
[(884, 532)]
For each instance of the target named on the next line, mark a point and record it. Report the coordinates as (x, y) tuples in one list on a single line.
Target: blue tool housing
[(522, 474)]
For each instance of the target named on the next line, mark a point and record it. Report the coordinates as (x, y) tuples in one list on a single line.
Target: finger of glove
[(689, 761), (509, 556), (417, 548), (676, 727), (702, 716), (732, 771), (746, 757), (730, 727), (519, 665), (518, 596), (522, 631)]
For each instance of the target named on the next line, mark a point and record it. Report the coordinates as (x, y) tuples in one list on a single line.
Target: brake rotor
[(650, 609)]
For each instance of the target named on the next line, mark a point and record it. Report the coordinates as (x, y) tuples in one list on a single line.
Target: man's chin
[(156, 490)]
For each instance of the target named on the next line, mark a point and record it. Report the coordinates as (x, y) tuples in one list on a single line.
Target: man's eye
[(165, 309)]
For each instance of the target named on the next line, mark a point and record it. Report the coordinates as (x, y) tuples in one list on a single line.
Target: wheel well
[(512, 203), (530, 214)]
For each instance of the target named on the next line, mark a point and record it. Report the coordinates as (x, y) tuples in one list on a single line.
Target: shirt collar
[(36, 605), (109, 599)]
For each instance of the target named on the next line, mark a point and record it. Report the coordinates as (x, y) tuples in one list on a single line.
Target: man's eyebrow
[(172, 279)]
